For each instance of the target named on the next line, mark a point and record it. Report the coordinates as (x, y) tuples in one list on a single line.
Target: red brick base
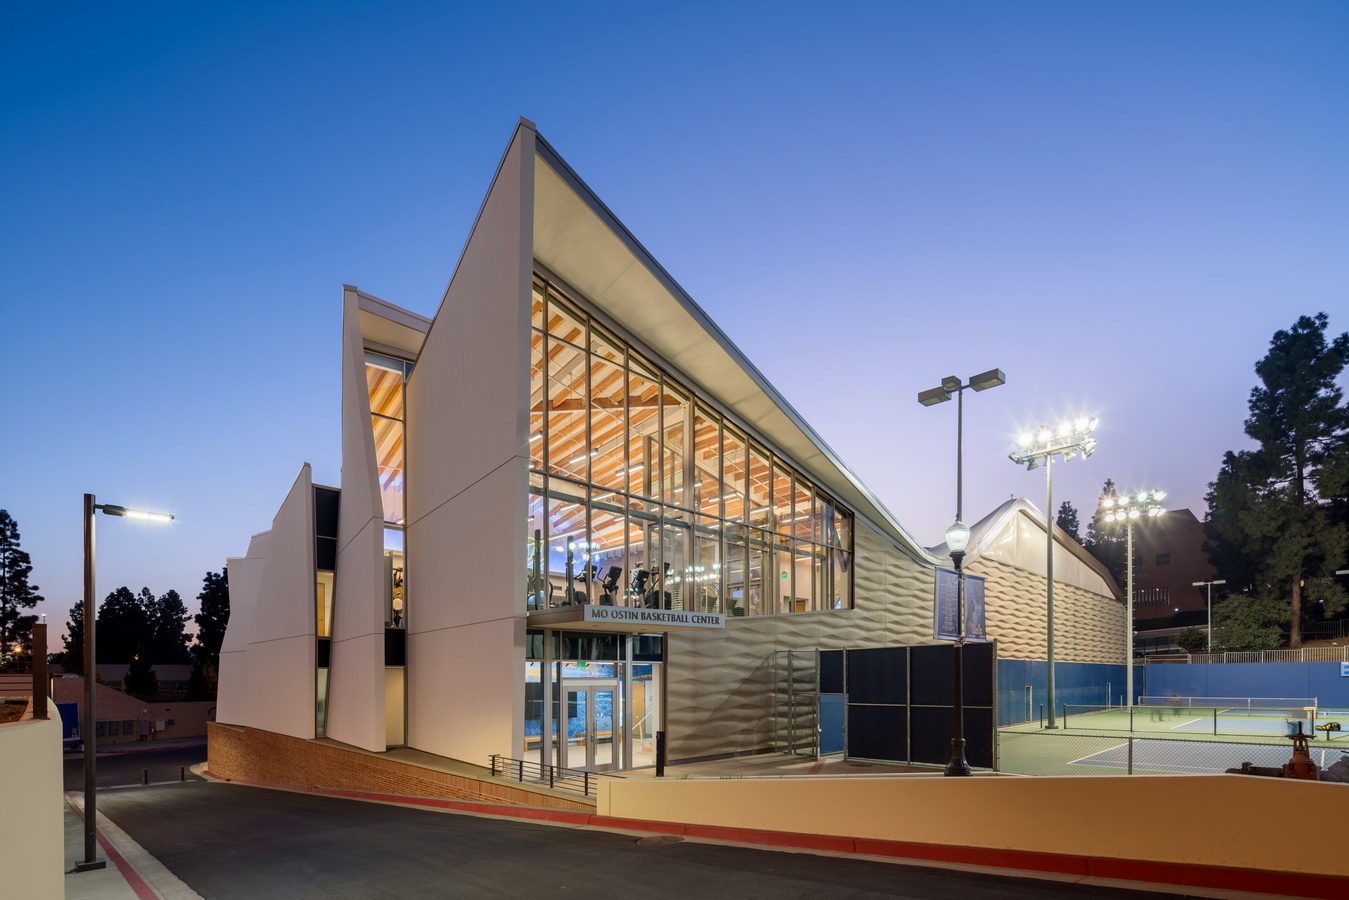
[(248, 754)]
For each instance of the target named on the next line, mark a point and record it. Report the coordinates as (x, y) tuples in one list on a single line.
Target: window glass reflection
[(643, 494)]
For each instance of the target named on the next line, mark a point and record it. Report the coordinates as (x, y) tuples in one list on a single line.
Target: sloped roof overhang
[(579, 241)]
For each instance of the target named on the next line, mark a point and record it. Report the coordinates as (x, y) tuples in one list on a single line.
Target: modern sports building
[(572, 514)]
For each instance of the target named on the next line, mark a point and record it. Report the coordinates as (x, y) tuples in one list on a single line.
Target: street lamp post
[(1209, 585), (957, 539), (1066, 439), (91, 858), (1126, 508)]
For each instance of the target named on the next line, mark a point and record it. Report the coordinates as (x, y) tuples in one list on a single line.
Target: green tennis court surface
[(1198, 757)]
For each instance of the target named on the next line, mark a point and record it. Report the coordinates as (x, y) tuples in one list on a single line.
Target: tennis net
[(1272, 706)]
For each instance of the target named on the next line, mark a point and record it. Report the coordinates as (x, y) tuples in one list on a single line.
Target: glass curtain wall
[(386, 379), (642, 494)]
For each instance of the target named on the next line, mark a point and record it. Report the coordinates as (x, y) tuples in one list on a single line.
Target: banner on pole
[(944, 625)]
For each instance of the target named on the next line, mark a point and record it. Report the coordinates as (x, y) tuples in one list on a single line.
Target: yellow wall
[(1219, 820), (31, 829)]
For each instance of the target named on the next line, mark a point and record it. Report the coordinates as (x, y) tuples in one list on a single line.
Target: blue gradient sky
[(1117, 204)]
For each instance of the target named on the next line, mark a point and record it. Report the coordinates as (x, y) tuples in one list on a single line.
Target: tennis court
[(1198, 757)]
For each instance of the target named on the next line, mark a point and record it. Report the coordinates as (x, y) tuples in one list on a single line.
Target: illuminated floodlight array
[(1065, 439), (1125, 507)]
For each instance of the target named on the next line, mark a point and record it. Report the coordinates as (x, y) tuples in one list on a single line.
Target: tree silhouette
[(1276, 514), (16, 594), (1067, 520)]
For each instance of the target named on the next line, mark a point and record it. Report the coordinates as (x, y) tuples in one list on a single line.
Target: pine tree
[(1104, 542), (168, 642), (214, 600), (1067, 520), (123, 626), (1275, 517), (72, 660), (16, 594)]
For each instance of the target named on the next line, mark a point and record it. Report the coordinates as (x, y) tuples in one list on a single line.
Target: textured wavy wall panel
[(1088, 627), (722, 693)]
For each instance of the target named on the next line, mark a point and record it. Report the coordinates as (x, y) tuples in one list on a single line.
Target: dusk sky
[(1118, 204)]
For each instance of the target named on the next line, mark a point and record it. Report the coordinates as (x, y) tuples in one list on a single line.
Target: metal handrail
[(556, 777)]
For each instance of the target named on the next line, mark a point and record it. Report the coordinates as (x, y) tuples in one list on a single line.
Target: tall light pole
[(1065, 439), (91, 858), (959, 534), (1126, 508), (1210, 585)]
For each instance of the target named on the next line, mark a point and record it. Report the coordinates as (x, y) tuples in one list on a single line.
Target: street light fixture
[(957, 539), (1065, 439), (91, 859), (1125, 509), (1210, 585)]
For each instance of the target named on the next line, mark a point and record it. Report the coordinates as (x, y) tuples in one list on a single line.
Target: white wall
[(31, 829), (279, 662), (466, 486), (356, 695), (245, 585)]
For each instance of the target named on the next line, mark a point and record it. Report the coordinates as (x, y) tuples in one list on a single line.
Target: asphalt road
[(115, 769), (230, 841)]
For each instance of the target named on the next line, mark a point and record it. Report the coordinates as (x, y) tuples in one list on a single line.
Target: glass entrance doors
[(589, 710)]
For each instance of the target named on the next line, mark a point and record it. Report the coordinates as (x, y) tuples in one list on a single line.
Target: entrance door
[(590, 710)]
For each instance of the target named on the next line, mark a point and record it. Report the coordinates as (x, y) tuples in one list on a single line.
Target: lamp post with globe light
[(1125, 509), (1065, 439), (957, 539)]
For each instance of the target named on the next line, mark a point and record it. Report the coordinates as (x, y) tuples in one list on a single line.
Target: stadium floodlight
[(1064, 439), (1125, 509), (957, 538)]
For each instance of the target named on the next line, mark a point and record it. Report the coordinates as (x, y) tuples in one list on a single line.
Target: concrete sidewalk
[(130, 873)]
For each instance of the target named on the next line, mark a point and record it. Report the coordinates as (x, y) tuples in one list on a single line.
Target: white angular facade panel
[(466, 690), (245, 583), (467, 397), (356, 709), (463, 555), (467, 476), (281, 648)]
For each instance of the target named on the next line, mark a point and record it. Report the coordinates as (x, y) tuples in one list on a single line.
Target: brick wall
[(237, 752)]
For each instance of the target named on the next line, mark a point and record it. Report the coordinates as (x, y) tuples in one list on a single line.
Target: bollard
[(145, 776), (182, 773), (660, 754)]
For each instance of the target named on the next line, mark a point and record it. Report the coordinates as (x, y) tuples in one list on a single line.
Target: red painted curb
[(976, 856), (133, 878), (637, 824), (772, 838)]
